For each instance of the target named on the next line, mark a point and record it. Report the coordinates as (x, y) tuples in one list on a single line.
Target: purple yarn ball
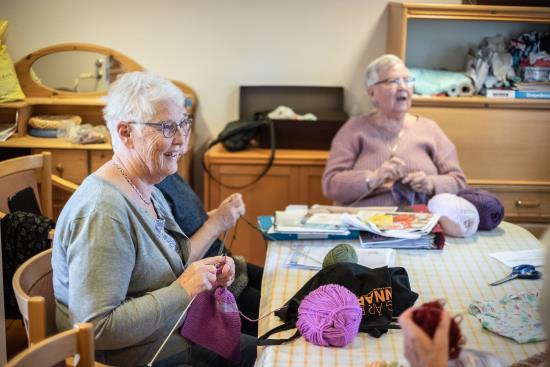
[(490, 209), (329, 316)]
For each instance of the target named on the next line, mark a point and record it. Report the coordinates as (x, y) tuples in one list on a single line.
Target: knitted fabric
[(403, 195), (23, 236), (213, 322)]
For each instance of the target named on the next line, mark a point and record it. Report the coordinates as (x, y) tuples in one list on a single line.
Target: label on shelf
[(501, 93), (533, 94)]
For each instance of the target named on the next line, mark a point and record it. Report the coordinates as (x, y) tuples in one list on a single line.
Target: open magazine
[(407, 225)]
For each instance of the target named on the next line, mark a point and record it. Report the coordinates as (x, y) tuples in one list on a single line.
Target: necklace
[(125, 175)]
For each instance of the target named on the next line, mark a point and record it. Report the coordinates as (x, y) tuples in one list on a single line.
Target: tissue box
[(327, 103)]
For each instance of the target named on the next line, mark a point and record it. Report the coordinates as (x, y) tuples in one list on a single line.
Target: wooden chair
[(21, 172), (33, 288), (55, 349)]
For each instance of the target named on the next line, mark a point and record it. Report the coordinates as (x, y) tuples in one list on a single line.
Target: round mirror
[(76, 71)]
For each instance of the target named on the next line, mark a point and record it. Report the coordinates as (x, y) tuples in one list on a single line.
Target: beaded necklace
[(125, 175)]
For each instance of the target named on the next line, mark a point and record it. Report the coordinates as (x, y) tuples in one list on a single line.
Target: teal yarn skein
[(341, 253)]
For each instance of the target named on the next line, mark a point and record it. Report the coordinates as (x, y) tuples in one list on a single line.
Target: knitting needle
[(150, 364), (262, 232), (299, 252)]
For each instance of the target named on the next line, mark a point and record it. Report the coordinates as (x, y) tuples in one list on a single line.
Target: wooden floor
[(16, 339)]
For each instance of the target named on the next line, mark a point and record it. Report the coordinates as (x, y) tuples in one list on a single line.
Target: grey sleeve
[(101, 257)]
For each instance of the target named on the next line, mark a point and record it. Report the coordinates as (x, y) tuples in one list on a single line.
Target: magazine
[(408, 225)]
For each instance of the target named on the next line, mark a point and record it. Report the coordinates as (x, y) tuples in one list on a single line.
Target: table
[(460, 273)]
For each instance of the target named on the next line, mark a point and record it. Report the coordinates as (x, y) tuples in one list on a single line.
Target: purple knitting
[(490, 209), (214, 323)]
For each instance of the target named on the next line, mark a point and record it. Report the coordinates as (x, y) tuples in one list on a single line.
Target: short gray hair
[(379, 65), (133, 98)]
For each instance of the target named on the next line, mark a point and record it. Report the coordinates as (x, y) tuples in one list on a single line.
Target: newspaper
[(7, 130)]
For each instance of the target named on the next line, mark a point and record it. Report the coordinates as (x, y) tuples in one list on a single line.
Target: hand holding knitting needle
[(226, 215), (391, 170), (201, 275), (225, 274), (420, 182)]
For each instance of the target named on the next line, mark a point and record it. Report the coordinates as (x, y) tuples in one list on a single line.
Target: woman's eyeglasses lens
[(408, 82), (169, 128)]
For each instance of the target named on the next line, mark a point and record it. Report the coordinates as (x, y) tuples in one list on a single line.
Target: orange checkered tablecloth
[(460, 274)]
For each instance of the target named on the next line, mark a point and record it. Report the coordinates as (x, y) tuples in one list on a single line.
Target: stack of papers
[(311, 257), (405, 225), (290, 221), (373, 240), (533, 257)]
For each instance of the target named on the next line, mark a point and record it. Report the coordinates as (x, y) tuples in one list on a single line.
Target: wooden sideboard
[(294, 178)]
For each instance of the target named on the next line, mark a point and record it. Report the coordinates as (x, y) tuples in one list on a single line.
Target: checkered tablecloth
[(460, 273)]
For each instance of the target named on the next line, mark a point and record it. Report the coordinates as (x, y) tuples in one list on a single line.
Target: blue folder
[(265, 222)]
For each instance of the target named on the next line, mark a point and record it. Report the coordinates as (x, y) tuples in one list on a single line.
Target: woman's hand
[(391, 170), (226, 272), (420, 350), (200, 276), (420, 182), (227, 214)]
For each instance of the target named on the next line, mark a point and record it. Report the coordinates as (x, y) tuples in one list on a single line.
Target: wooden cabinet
[(503, 144), (294, 178)]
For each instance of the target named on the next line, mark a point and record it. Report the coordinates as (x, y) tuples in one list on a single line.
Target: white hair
[(379, 65), (133, 98)]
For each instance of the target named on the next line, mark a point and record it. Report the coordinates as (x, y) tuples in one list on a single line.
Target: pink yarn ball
[(329, 316)]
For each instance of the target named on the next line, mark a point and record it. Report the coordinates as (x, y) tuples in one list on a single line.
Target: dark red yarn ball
[(427, 316)]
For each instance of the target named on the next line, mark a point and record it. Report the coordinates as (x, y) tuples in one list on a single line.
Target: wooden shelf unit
[(502, 143)]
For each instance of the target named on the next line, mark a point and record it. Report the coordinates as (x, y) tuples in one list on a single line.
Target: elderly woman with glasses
[(390, 151), (120, 260)]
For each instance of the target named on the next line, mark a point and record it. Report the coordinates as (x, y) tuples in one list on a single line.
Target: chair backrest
[(57, 348), (33, 288), (19, 173)]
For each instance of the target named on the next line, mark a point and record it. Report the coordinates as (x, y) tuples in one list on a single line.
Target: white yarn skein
[(459, 217)]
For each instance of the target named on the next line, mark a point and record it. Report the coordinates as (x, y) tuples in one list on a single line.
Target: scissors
[(520, 272)]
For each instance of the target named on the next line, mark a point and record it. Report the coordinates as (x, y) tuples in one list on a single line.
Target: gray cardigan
[(111, 269)]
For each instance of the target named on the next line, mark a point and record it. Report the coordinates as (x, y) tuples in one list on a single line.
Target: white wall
[(217, 45)]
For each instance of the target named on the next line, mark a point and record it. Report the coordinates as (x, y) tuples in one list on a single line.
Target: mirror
[(71, 70), (76, 71)]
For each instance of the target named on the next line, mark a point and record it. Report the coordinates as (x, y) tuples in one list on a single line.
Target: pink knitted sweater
[(361, 146)]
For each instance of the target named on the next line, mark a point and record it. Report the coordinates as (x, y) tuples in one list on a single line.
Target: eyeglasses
[(395, 82), (169, 128)]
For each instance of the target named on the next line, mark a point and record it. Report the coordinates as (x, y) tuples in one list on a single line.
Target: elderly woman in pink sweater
[(369, 153)]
